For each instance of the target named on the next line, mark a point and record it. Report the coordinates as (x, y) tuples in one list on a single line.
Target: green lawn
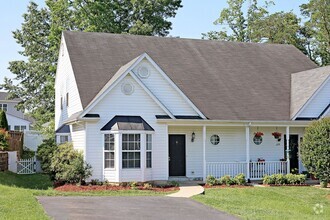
[(269, 202), (18, 195)]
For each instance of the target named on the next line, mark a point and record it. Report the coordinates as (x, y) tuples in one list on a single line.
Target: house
[(16, 119), (149, 108)]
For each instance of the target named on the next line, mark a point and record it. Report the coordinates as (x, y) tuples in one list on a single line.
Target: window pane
[(106, 164), (125, 146), (112, 163), (137, 164), (131, 137), (137, 146), (23, 128), (107, 137), (131, 146), (106, 155), (112, 137), (137, 156), (112, 155), (131, 164), (106, 146), (16, 128), (125, 137), (124, 155), (112, 146), (137, 137), (125, 164)]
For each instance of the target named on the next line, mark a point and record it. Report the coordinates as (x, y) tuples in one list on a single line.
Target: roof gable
[(305, 86), (224, 80)]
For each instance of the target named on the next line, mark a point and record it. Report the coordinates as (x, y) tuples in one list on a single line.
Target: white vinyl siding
[(65, 89), (19, 123), (161, 88), (78, 134), (319, 102)]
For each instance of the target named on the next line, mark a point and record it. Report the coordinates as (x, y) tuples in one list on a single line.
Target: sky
[(194, 18)]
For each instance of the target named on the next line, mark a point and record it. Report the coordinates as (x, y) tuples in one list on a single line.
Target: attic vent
[(143, 72), (127, 88)]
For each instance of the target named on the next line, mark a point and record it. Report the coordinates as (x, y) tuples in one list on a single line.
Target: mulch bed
[(75, 188)]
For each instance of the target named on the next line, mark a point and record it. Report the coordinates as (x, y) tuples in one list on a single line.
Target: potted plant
[(277, 135), (258, 134)]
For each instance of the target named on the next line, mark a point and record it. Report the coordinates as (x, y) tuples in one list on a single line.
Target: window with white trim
[(19, 127), (3, 107), (109, 151), (63, 139), (148, 151), (131, 151)]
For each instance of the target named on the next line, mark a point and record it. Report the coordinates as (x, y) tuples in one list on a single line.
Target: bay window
[(148, 150), (109, 151), (131, 151)]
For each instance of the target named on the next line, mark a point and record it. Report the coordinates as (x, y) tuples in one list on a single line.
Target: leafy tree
[(143, 17), (3, 120), (315, 149), (45, 153), (40, 36), (318, 14), (4, 137), (68, 165)]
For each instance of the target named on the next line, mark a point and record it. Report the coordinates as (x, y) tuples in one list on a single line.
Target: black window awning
[(64, 129), (119, 122)]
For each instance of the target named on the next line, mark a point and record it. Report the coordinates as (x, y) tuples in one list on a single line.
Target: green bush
[(280, 179), (133, 185), (45, 153), (226, 180), (211, 180), (3, 120), (147, 186), (27, 153), (240, 179), (315, 149), (4, 137), (68, 165)]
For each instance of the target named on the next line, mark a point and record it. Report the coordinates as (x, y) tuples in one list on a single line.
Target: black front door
[(294, 152), (177, 155)]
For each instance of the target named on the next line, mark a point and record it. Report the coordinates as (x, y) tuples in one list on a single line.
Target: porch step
[(178, 178)]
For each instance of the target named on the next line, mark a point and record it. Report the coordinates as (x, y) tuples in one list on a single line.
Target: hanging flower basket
[(258, 134), (277, 135), (257, 139)]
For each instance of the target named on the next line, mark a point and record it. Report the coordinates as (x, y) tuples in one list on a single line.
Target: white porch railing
[(218, 170), (257, 169)]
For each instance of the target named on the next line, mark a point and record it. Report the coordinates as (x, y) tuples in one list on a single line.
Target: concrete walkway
[(188, 189)]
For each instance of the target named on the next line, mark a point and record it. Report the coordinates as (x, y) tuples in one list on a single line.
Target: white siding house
[(149, 108)]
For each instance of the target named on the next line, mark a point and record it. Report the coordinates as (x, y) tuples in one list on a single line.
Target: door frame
[(299, 159), (168, 149)]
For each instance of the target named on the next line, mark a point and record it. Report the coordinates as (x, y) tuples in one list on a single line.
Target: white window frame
[(148, 150), (4, 107), (109, 151), (134, 151), (20, 127)]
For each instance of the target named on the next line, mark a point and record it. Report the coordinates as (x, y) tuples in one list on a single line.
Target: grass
[(18, 195), (269, 202)]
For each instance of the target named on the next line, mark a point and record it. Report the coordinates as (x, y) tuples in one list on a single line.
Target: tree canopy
[(40, 35), (245, 22)]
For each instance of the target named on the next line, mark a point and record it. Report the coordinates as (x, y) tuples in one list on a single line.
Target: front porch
[(236, 151)]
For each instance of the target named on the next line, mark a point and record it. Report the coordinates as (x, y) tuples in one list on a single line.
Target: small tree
[(3, 120), (69, 166), (315, 150)]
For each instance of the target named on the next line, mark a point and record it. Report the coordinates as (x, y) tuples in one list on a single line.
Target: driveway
[(139, 207)]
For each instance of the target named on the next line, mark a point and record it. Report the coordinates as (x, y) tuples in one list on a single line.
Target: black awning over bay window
[(119, 122)]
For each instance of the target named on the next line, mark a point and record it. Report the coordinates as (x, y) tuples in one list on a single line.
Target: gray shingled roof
[(225, 80), (304, 85), (4, 96)]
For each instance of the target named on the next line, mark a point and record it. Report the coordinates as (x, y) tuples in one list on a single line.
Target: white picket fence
[(27, 166)]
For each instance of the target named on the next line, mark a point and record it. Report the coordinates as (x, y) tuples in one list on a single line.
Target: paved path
[(188, 189), (128, 208)]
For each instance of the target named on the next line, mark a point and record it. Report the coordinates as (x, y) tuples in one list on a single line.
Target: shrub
[(315, 149), (3, 120), (68, 165), (173, 184), (27, 153), (240, 179), (281, 179), (147, 186), (211, 180), (133, 185), (96, 182), (226, 180), (268, 179), (4, 137), (45, 153)]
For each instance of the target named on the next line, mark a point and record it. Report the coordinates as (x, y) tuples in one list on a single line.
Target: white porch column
[(204, 153), (288, 149), (247, 144)]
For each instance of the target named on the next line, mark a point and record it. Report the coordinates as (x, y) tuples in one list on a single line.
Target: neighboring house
[(16, 119), (148, 108)]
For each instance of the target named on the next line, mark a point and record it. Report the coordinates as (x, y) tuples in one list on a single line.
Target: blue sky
[(196, 17)]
